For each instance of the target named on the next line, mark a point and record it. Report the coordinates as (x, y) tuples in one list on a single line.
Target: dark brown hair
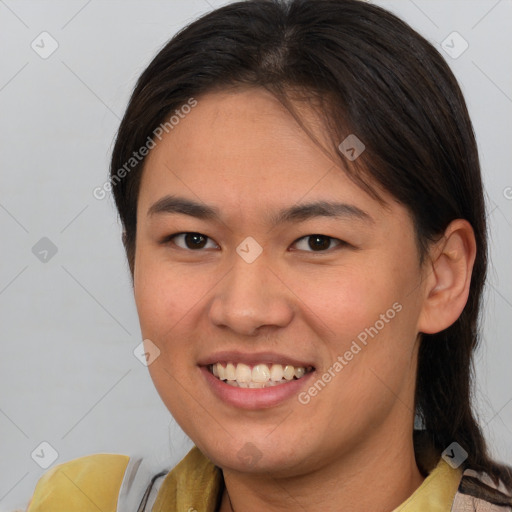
[(370, 74)]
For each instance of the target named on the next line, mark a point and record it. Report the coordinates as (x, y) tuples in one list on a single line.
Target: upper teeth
[(259, 374)]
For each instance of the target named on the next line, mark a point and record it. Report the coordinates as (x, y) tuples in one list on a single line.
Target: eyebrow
[(308, 211), (173, 204), (302, 212)]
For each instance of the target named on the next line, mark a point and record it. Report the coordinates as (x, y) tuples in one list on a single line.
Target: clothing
[(106, 481)]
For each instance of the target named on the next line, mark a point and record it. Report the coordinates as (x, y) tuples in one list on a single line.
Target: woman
[(303, 215)]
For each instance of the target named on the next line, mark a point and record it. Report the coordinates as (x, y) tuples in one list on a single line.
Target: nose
[(251, 297)]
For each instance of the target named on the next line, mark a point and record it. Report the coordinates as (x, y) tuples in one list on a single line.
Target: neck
[(376, 476)]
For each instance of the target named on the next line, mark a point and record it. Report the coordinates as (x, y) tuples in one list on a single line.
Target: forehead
[(243, 149), (244, 131)]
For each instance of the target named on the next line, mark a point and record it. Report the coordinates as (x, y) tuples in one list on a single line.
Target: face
[(254, 250)]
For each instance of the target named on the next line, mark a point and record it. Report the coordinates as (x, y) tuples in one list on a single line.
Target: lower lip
[(255, 398)]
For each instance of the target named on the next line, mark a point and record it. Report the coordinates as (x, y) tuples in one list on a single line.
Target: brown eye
[(193, 241), (317, 243)]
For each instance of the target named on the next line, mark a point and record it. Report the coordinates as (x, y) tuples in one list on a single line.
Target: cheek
[(164, 294), (346, 300), (154, 305), (367, 314), (165, 298)]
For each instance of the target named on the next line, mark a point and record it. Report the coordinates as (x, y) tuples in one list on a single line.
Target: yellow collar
[(436, 493), (194, 484)]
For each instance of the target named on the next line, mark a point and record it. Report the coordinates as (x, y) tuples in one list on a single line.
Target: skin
[(244, 154)]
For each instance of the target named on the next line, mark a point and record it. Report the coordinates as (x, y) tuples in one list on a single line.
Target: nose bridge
[(250, 297)]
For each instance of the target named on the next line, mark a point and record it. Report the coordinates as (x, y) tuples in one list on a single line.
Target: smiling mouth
[(259, 375)]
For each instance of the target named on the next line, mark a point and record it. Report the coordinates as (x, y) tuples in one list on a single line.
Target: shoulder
[(89, 483), (478, 492)]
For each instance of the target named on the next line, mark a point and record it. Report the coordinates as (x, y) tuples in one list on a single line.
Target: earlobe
[(447, 285)]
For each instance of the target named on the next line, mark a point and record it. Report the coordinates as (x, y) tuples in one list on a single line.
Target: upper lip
[(251, 358)]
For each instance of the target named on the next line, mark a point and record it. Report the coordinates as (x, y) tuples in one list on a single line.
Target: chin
[(259, 455)]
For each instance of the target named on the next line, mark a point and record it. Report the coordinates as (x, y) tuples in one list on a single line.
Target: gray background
[(68, 375)]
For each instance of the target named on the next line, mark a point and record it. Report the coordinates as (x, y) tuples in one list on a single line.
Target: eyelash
[(339, 243)]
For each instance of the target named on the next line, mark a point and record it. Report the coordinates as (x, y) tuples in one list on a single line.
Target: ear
[(448, 276)]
